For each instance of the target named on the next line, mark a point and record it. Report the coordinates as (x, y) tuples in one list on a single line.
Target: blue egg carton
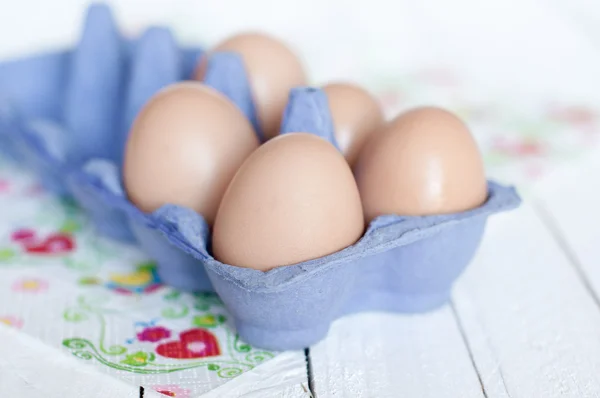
[(66, 115), (401, 264)]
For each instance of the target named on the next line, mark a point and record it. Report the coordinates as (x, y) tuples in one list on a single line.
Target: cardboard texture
[(401, 264)]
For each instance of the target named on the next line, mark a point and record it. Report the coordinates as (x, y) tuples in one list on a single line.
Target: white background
[(533, 47)]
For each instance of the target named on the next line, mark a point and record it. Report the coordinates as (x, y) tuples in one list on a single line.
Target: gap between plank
[(309, 373), (468, 346), (549, 221)]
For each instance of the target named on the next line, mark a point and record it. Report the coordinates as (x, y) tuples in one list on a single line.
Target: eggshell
[(294, 199), (184, 147), (273, 70), (356, 115), (423, 162)]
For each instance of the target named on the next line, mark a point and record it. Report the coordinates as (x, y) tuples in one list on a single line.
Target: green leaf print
[(139, 358)]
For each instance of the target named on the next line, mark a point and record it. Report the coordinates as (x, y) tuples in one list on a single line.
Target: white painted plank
[(284, 376), (387, 355), (31, 369), (570, 205), (533, 328)]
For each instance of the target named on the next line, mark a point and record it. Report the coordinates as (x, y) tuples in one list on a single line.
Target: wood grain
[(533, 328), (387, 355)]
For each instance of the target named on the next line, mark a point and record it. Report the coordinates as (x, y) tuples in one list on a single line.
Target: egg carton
[(401, 264), (65, 115)]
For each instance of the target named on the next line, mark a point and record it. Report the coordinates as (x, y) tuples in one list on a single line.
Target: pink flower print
[(30, 285), (154, 334), (122, 291), (528, 148), (577, 116), (4, 186), (518, 148), (152, 288), (23, 235), (13, 321), (172, 390)]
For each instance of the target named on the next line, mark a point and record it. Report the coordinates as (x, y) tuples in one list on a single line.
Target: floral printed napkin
[(103, 303)]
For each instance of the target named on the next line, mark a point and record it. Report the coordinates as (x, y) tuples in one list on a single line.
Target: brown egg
[(184, 148), (356, 115), (423, 162), (273, 70), (294, 199)]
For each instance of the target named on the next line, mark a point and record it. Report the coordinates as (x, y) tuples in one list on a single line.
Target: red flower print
[(192, 343), (154, 334), (54, 244), (171, 390)]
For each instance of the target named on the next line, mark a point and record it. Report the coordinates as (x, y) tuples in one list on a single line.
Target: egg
[(423, 162), (273, 70), (184, 148), (356, 115), (294, 199)]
